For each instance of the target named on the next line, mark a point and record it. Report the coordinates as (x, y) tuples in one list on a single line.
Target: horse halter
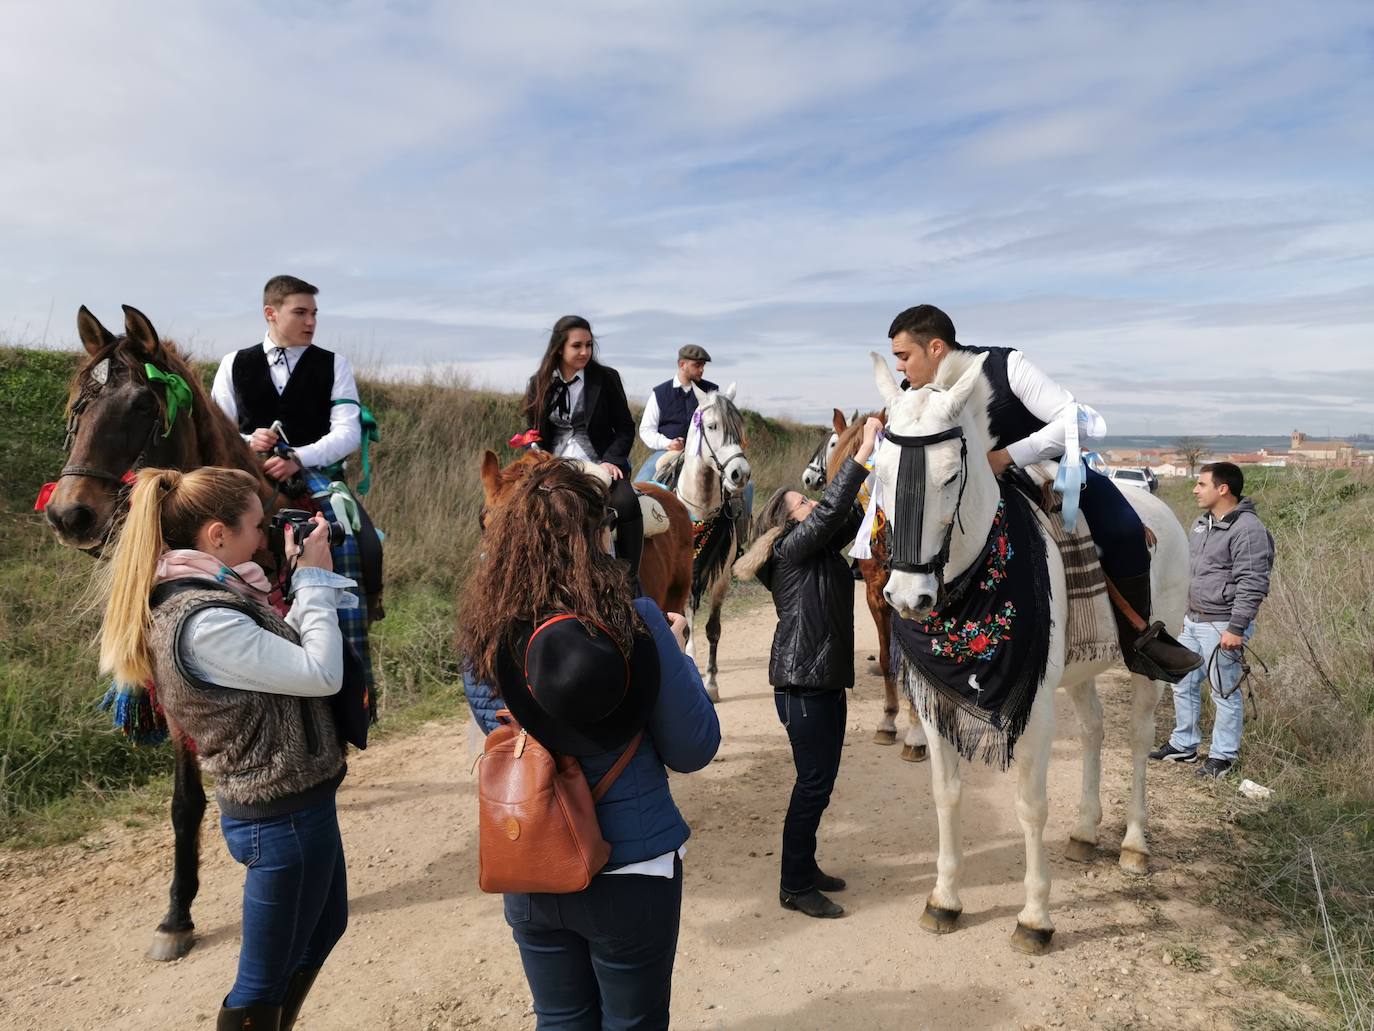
[(121, 482), (818, 459), (703, 439), (910, 497)]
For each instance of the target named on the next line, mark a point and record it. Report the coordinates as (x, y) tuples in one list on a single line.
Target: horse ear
[(963, 389), (491, 474), (701, 395), (888, 387), (837, 420), (730, 391), (94, 337), (140, 332)]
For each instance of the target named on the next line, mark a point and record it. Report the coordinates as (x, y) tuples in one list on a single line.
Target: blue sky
[(1167, 205)]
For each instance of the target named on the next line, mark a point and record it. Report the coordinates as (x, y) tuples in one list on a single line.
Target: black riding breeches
[(1116, 528)]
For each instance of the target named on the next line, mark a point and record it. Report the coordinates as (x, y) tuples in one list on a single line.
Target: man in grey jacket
[(1231, 554)]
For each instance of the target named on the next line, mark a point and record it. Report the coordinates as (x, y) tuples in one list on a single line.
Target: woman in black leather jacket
[(798, 557)]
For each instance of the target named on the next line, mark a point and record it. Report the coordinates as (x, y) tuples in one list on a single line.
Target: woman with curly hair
[(551, 633)]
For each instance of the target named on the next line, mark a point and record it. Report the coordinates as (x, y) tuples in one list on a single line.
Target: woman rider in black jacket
[(797, 556)]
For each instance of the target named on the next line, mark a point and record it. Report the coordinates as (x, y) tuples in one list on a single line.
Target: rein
[(905, 551)]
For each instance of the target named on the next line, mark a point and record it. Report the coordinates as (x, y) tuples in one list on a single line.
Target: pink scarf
[(246, 579)]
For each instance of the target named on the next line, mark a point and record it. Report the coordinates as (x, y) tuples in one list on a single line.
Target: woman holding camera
[(548, 623), (798, 557), (578, 406), (187, 608)]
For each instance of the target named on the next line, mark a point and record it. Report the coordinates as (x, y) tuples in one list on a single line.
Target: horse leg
[(713, 636), (914, 747), (886, 734), (943, 906), (1083, 841), (176, 934), (1034, 929), (1135, 849)]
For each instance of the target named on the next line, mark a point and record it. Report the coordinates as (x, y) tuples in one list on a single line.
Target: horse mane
[(848, 444), (218, 436), (732, 419), (954, 366)]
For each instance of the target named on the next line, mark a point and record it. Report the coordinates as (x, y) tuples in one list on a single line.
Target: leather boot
[(249, 1018), (812, 903), (629, 539), (296, 990), (1151, 652)]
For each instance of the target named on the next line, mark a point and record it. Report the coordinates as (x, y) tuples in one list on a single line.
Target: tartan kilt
[(347, 562)]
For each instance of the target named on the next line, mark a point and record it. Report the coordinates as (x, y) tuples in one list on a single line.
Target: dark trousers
[(295, 898), (1116, 528), (815, 726), (600, 958)]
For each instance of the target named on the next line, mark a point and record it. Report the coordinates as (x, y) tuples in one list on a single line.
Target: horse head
[(714, 464), (127, 410), (931, 454), (815, 476)]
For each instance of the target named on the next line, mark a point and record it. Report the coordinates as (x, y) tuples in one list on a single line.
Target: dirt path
[(426, 950)]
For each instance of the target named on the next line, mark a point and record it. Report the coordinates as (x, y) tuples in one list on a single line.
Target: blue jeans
[(1203, 638), (602, 957), (295, 898), (815, 727)]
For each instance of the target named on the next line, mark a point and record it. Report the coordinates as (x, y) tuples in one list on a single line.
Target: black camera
[(303, 524)]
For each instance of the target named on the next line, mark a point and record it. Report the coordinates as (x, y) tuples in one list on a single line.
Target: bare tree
[(1191, 449)]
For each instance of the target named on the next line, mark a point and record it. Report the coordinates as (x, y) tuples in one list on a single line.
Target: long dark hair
[(543, 556), (536, 395)]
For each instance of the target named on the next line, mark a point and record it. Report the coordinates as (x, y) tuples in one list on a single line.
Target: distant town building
[(1303, 451)]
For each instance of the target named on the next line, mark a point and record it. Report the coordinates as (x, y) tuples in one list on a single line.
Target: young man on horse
[(1029, 413), (1231, 554), (668, 411)]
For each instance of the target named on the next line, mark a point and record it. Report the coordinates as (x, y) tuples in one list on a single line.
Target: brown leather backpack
[(537, 828)]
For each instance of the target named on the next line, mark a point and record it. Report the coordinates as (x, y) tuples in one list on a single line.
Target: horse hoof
[(915, 753), (1080, 851), (170, 945), (1133, 862), (1031, 940), (884, 737), (939, 921)]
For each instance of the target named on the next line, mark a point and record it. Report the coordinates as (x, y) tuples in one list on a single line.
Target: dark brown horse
[(874, 572), (665, 568), (117, 424)]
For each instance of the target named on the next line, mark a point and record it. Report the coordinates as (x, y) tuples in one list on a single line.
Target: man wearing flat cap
[(668, 412)]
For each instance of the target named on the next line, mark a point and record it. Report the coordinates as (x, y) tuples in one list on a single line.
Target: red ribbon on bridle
[(45, 492)]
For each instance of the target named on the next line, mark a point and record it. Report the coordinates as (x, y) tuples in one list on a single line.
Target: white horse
[(965, 512), (814, 475), (710, 482)]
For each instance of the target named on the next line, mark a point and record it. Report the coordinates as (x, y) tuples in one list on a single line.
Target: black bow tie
[(279, 356), (558, 403)]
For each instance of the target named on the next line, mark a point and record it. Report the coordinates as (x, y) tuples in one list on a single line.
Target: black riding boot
[(296, 991), (1151, 652), (249, 1018), (629, 526)]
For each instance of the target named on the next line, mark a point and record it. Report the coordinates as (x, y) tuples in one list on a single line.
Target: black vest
[(303, 407), (675, 407), (1008, 418)]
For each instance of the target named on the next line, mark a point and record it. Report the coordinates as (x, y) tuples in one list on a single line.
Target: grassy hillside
[(58, 753)]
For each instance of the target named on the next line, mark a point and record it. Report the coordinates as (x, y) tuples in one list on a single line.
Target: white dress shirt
[(226, 647), (568, 442), (345, 425), (648, 422), (1045, 399)]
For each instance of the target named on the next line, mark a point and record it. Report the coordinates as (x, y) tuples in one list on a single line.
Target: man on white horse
[(668, 411), (1030, 416)]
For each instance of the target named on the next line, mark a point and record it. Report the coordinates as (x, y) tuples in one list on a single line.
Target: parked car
[(1141, 479)]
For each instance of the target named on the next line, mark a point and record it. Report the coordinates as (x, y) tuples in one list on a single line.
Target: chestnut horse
[(874, 570), (665, 568), (117, 424)]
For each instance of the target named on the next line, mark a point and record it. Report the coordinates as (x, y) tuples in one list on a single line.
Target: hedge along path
[(426, 950)]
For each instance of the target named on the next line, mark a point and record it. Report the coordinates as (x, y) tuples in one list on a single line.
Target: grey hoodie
[(1231, 559)]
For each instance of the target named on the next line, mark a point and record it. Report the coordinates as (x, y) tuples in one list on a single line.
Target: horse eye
[(951, 480)]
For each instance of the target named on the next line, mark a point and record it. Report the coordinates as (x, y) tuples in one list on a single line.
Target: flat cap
[(693, 353)]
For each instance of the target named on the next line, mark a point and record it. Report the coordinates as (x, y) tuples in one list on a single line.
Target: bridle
[(123, 481), (910, 497), (726, 494), (818, 459)]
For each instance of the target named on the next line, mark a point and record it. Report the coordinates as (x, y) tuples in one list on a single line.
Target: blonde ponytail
[(167, 508), (124, 635)]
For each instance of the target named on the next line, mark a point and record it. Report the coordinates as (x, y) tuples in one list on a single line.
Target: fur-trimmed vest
[(269, 754)]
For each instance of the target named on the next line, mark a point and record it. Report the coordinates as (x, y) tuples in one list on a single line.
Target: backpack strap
[(604, 785)]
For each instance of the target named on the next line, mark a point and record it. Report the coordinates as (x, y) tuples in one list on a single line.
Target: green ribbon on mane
[(175, 389)]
